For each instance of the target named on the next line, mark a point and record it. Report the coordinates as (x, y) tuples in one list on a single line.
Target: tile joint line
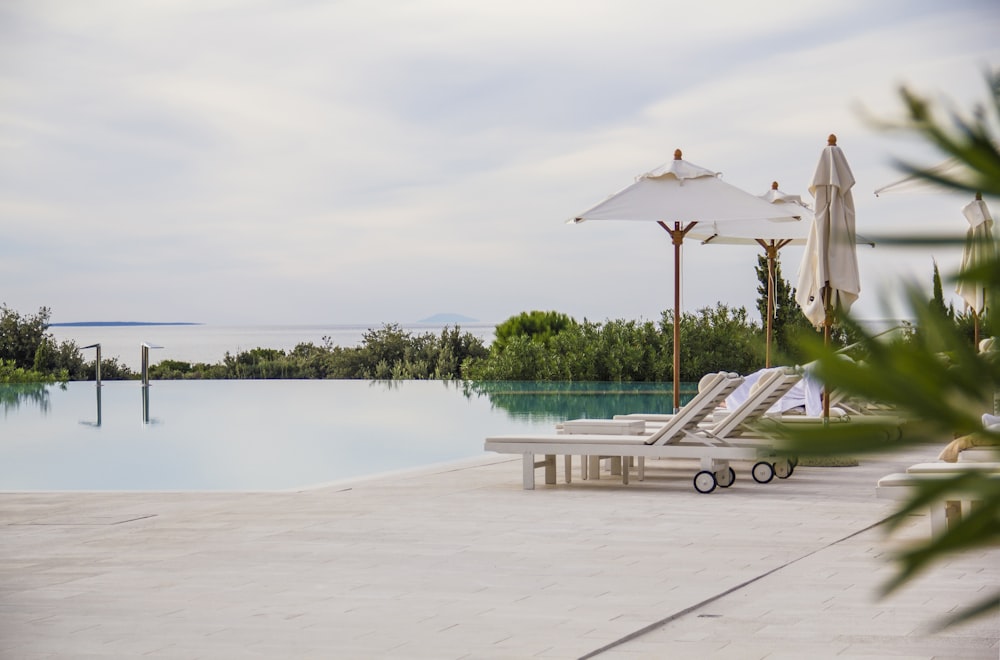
[(676, 615)]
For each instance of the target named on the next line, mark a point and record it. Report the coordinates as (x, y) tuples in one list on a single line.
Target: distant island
[(448, 318), (105, 324)]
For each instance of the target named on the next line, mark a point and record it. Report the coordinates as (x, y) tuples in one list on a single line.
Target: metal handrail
[(145, 362), (875, 336), (98, 361)]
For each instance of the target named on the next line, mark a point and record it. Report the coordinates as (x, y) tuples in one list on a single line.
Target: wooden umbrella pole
[(677, 234), (826, 342), (771, 249), (772, 255), (677, 319)]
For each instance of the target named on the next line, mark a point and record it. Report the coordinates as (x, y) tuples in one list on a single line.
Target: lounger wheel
[(794, 460), (783, 468), (762, 472), (705, 482), (725, 477)]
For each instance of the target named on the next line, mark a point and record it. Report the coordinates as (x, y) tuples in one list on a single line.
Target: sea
[(209, 343)]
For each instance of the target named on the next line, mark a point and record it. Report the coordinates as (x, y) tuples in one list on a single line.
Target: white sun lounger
[(680, 437), (946, 510), (732, 423), (735, 426)]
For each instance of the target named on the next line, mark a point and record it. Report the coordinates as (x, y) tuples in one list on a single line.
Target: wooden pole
[(677, 234), (678, 239), (827, 322), (771, 249), (772, 254), (831, 141)]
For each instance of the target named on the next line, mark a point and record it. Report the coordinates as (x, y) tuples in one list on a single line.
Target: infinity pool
[(272, 435)]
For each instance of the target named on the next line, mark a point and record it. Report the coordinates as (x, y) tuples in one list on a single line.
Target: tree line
[(535, 345)]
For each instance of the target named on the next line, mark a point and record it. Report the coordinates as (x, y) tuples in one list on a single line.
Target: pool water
[(273, 435)]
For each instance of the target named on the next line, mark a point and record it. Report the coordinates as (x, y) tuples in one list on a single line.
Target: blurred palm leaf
[(934, 377), (966, 139)]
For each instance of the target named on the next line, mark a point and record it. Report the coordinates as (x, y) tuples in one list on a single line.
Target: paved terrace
[(458, 562)]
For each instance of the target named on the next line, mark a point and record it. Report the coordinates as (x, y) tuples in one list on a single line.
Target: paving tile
[(459, 562)]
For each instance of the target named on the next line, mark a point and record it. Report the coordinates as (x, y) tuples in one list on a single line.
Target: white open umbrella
[(772, 236), (678, 196), (828, 276), (916, 183), (980, 247)]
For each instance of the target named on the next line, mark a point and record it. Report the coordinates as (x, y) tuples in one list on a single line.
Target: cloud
[(259, 161)]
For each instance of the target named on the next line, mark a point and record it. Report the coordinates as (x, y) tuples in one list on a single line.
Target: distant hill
[(448, 318), (105, 324)]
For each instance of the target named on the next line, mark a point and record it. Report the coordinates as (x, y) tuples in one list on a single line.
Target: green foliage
[(111, 369), (52, 357), (965, 323), (388, 352), (20, 336), (942, 386), (11, 373), (935, 378), (557, 401), (535, 325), (31, 351), (967, 140), (521, 359), (713, 339), (937, 301), (16, 392), (788, 324), (719, 338)]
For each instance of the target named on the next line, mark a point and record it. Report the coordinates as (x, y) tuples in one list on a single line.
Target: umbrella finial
[(774, 185), (677, 154), (979, 196), (832, 140)]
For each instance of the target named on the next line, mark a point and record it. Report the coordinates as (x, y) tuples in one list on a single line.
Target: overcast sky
[(277, 161)]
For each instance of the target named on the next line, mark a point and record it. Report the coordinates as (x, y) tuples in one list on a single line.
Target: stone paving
[(457, 561)]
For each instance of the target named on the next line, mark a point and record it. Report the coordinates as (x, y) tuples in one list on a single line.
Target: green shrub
[(535, 325)]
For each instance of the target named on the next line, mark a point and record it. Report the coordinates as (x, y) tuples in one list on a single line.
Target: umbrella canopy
[(772, 235), (828, 274), (980, 247), (789, 227), (678, 196), (682, 192)]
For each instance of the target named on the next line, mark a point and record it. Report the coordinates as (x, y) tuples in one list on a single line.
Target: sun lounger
[(946, 510), (655, 420), (979, 455), (680, 437), (735, 426)]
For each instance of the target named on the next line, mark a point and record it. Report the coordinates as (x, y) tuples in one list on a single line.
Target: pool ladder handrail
[(145, 362), (97, 371)]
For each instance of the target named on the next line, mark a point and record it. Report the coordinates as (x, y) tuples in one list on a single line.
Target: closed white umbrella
[(828, 276), (980, 247), (678, 197), (772, 236)]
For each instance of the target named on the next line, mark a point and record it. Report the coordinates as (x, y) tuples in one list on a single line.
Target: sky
[(308, 162)]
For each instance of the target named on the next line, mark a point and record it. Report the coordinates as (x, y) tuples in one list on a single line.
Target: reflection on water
[(146, 419), (558, 401), (273, 435), (85, 422), (14, 395)]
